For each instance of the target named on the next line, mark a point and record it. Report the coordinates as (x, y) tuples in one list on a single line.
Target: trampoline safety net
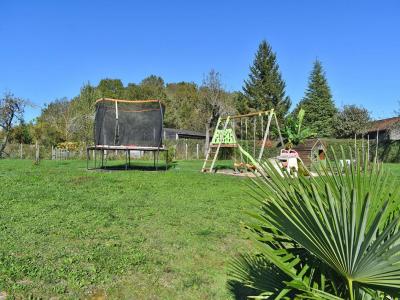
[(129, 123)]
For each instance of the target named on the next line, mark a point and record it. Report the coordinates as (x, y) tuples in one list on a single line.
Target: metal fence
[(186, 149)]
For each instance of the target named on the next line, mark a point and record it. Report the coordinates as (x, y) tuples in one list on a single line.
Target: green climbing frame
[(223, 136)]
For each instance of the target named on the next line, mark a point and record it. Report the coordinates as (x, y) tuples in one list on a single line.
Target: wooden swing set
[(244, 133)]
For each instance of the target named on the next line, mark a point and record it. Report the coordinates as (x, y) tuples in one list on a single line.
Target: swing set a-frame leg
[(219, 145), (265, 135), (270, 116), (279, 130), (204, 169)]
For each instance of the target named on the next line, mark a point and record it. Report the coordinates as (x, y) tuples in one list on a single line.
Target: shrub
[(70, 146)]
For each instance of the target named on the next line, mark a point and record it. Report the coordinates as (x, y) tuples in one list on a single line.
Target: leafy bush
[(351, 120), (170, 157), (70, 146), (335, 236)]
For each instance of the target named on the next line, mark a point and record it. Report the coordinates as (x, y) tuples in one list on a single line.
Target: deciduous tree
[(214, 102), (21, 134), (59, 115), (183, 106), (351, 120), (11, 112), (152, 87), (111, 88), (84, 111)]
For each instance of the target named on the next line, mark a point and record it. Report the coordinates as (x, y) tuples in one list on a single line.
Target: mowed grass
[(69, 233)]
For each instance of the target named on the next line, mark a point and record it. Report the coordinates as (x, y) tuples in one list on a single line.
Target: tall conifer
[(265, 88), (318, 103)]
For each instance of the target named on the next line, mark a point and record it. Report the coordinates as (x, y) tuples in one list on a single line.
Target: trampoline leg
[(158, 152), (102, 158), (129, 158), (166, 160), (126, 159), (154, 159)]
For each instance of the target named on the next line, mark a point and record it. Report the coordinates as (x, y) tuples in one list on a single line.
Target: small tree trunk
[(207, 143), (3, 145), (20, 150)]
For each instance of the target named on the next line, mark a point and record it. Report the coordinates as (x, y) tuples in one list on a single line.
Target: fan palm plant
[(334, 236)]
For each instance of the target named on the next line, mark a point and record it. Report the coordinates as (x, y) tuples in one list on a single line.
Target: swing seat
[(250, 167), (238, 165), (242, 165)]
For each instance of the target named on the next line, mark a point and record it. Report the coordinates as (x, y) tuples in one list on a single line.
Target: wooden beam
[(258, 113)]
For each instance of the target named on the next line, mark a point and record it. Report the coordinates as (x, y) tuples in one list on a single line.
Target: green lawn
[(394, 169), (72, 233)]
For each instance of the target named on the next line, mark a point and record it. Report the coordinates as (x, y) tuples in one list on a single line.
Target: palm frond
[(346, 220)]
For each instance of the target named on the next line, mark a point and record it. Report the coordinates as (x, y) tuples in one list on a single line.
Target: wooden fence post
[(37, 154), (355, 146), (362, 147), (376, 147)]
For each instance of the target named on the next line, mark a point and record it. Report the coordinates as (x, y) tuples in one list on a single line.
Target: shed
[(386, 129), (311, 151), (176, 134)]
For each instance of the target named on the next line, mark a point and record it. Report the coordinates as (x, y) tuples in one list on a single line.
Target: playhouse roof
[(306, 149), (310, 144)]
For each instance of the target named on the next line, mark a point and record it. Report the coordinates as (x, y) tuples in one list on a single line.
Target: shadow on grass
[(250, 275), (137, 167), (224, 167), (239, 291)]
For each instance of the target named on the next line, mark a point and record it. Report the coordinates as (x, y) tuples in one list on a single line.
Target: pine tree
[(265, 88), (318, 104)]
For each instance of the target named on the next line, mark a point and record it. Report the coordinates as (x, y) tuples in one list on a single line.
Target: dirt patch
[(97, 295)]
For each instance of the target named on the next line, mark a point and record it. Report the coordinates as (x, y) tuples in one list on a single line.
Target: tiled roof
[(383, 124)]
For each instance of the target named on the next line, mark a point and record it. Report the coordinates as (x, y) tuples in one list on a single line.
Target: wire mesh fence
[(388, 151), (178, 150)]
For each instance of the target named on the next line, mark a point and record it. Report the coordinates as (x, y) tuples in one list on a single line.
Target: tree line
[(188, 105)]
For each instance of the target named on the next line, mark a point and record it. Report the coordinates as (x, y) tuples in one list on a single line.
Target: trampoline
[(127, 125)]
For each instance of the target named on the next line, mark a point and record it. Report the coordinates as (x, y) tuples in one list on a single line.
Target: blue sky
[(50, 48)]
